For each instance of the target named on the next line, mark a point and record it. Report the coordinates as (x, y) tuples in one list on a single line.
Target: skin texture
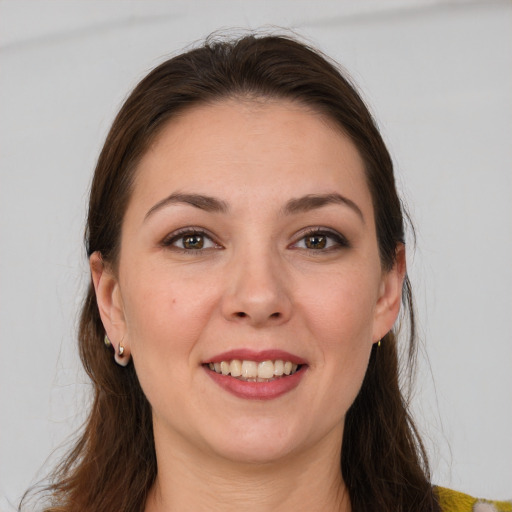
[(255, 285)]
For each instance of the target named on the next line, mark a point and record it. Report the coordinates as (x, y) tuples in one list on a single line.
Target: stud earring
[(379, 343), (107, 341), (120, 357)]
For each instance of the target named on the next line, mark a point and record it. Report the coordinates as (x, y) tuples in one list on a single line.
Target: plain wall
[(437, 75)]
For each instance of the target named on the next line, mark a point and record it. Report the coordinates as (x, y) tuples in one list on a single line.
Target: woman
[(246, 245)]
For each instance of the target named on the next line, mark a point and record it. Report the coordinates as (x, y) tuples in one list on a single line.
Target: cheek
[(164, 313), (340, 322), (164, 320), (340, 308)]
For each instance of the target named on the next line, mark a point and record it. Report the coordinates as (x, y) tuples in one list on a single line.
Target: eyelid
[(341, 240), (171, 238)]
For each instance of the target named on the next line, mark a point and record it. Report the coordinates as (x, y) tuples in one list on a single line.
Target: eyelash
[(171, 239), (339, 240)]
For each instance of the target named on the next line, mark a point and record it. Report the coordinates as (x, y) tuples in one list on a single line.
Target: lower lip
[(258, 390)]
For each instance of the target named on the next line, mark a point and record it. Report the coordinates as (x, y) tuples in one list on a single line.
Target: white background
[(438, 76)]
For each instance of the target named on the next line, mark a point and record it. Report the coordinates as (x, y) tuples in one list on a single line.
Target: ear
[(390, 296), (110, 305)]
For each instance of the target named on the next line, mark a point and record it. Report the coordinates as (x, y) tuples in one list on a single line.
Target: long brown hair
[(113, 464)]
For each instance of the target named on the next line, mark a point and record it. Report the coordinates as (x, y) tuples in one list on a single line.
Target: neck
[(309, 481)]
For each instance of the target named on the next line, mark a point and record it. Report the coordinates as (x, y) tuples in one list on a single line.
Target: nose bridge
[(256, 291)]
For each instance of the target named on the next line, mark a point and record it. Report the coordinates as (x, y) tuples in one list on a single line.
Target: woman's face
[(249, 246)]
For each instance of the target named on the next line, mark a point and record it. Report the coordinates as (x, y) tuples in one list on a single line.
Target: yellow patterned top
[(453, 501)]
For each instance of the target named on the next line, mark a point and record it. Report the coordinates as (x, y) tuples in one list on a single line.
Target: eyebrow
[(298, 205), (314, 201), (207, 203)]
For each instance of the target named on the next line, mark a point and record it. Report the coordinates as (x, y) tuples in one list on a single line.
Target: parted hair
[(113, 464)]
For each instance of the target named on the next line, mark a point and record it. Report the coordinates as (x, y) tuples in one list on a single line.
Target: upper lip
[(255, 355)]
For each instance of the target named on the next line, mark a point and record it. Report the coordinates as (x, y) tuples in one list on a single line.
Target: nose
[(256, 293)]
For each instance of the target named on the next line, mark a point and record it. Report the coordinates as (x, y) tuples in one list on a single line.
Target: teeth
[(224, 367), (235, 368), (266, 370), (279, 367), (251, 371)]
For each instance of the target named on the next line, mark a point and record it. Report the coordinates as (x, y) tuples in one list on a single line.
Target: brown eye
[(193, 241), (322, 240), (315, 241), (190, 240)]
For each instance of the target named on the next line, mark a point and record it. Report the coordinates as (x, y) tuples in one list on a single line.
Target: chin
[(256, 453), (260, 442)]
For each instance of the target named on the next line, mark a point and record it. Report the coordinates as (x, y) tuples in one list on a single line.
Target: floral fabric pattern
[(453, 501)]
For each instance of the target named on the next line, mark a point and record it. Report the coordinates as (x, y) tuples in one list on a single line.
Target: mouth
[(256, 375), (254, 371)]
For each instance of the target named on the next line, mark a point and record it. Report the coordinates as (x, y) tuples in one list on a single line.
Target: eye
[(321, 240), (188, 240)]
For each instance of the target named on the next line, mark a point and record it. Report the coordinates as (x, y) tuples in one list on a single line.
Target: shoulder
[(453, 501)]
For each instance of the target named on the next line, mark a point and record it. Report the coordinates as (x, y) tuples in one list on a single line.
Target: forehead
[(247, 148)]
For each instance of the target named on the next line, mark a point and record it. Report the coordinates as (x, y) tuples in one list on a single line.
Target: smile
[(256, 375), (253, 371)]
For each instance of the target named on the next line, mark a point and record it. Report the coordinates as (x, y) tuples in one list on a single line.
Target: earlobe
[(110, 306), (390, 296)]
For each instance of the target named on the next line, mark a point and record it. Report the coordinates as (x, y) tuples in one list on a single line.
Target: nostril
[(242, 314)]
